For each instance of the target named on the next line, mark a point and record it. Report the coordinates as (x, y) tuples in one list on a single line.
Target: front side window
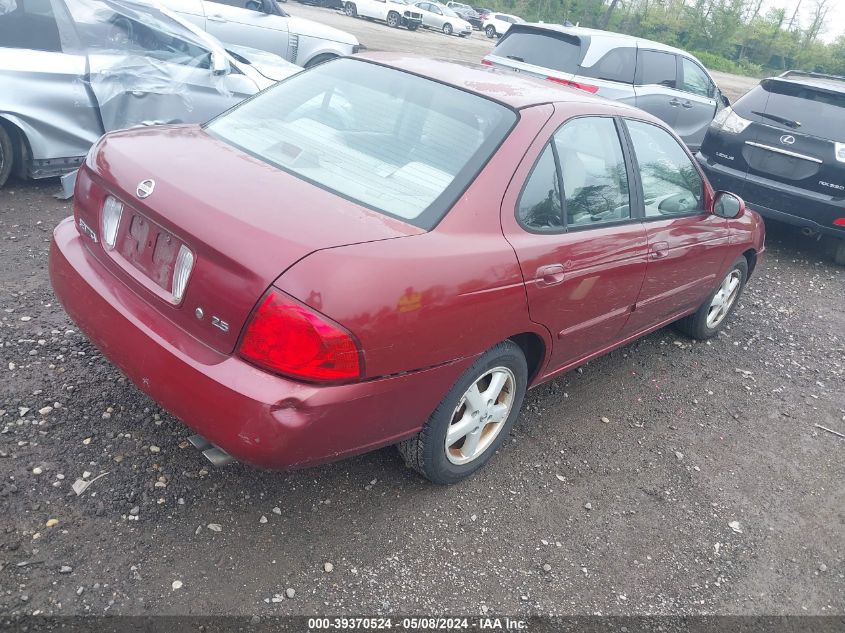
[(592, 166), (671, 183), (656, 68), (399, 144), (695, 79)]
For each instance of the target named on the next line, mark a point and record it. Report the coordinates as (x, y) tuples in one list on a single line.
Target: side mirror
[(219, 64), (728, 205), (258, 5)]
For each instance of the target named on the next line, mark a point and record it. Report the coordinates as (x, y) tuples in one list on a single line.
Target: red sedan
[(390, 250)]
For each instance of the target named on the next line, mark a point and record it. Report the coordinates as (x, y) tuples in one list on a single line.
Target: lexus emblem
[(787, 139), (145, 187)]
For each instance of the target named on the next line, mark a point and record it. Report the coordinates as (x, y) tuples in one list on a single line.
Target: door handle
[(687, 104), (550, 275), (675, 102), (215, 18), (659, 250)]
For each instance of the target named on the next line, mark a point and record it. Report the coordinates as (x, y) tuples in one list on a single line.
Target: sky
[(835, 17)]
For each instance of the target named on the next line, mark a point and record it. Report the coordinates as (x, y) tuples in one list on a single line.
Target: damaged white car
[(72, 70)]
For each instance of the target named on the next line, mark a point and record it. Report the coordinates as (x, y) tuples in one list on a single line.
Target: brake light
[(574, 84), (486, 62), (839, 221), (287, 338)]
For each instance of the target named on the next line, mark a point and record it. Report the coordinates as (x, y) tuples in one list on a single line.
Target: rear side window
[(615, 65), (550, 50), (539, 205), (399, 144), (29, 24), (656, 68), (817, 111)]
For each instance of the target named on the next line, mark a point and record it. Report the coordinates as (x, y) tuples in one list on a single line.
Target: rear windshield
[(395, 142), (817, 112), (541, 48)]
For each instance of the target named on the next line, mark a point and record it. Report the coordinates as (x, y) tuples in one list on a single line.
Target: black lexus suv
[(781, 147)]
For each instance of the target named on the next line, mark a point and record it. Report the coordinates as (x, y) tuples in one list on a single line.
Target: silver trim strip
[(784, 151)]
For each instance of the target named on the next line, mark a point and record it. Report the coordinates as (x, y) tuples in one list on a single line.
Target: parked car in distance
[(358, 313), (467, 13), (326, 4), (497, 24), (782, 145), (265, 25), (664, 81), (74, 69), (395, 12), (483, 13), (441, 18)]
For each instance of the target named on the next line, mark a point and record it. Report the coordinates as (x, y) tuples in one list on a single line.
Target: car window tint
[(671, 183), (615, 65), (592, 166), (398, 143), (29, 24), (551, 50), (539, 206), (656, 68), (695, 79)]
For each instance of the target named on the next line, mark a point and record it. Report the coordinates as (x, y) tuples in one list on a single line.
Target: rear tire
[(319, 59), (706, 322), (393, 20), (838, 251), (7, 155), (473, 419), (351, 10), (413, 26), (490, 31)]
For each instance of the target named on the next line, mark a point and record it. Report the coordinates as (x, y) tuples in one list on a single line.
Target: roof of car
[(511, 89), (832, 83), (630, 40)]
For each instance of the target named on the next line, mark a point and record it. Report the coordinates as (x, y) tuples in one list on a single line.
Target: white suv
[(264, 25), (395, 13), (497, 24)]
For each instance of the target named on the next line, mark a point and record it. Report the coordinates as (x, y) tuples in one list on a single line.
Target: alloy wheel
[(480, 415), (724, 298)]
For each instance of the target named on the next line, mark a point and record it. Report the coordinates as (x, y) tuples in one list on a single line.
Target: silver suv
[(665, 81)]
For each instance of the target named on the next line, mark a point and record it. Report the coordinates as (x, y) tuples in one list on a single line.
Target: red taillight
[(286, 337), (574, 84), (486, 62), (839, 221)]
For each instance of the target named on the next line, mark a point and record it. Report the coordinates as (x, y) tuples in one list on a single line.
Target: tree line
[(753, 37)]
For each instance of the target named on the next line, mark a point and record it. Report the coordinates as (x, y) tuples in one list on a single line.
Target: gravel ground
[(670, 477)]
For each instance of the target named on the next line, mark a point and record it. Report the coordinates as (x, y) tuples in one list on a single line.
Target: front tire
[(393, 19), (351, 10), (447, 29), (706, 322), (473, 419), (413, 26), (490, 31), (7, 156)]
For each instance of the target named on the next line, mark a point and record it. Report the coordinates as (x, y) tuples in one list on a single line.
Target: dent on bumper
[(259, 418)]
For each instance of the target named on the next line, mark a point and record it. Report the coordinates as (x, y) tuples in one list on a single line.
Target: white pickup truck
[(395, 12)]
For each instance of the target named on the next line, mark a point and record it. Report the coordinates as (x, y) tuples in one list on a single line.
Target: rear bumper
[(778, 201), (258, 418)]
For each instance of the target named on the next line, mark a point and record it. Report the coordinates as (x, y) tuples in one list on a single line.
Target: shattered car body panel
[(75, 69)]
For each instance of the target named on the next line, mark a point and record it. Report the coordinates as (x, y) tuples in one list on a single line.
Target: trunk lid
[(244, 221)]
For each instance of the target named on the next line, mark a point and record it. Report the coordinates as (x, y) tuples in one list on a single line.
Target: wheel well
[(319, 59), (20, 149), (534, 349), (751, 257)]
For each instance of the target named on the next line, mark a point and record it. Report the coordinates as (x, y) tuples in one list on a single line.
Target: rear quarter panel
[(420, 301)]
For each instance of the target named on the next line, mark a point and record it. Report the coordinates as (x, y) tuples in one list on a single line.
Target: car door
[(567, 214), (430, 12), (148, 68), (698, 103), (655, 84), (687, 243), (42, 67), (253, 23)]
